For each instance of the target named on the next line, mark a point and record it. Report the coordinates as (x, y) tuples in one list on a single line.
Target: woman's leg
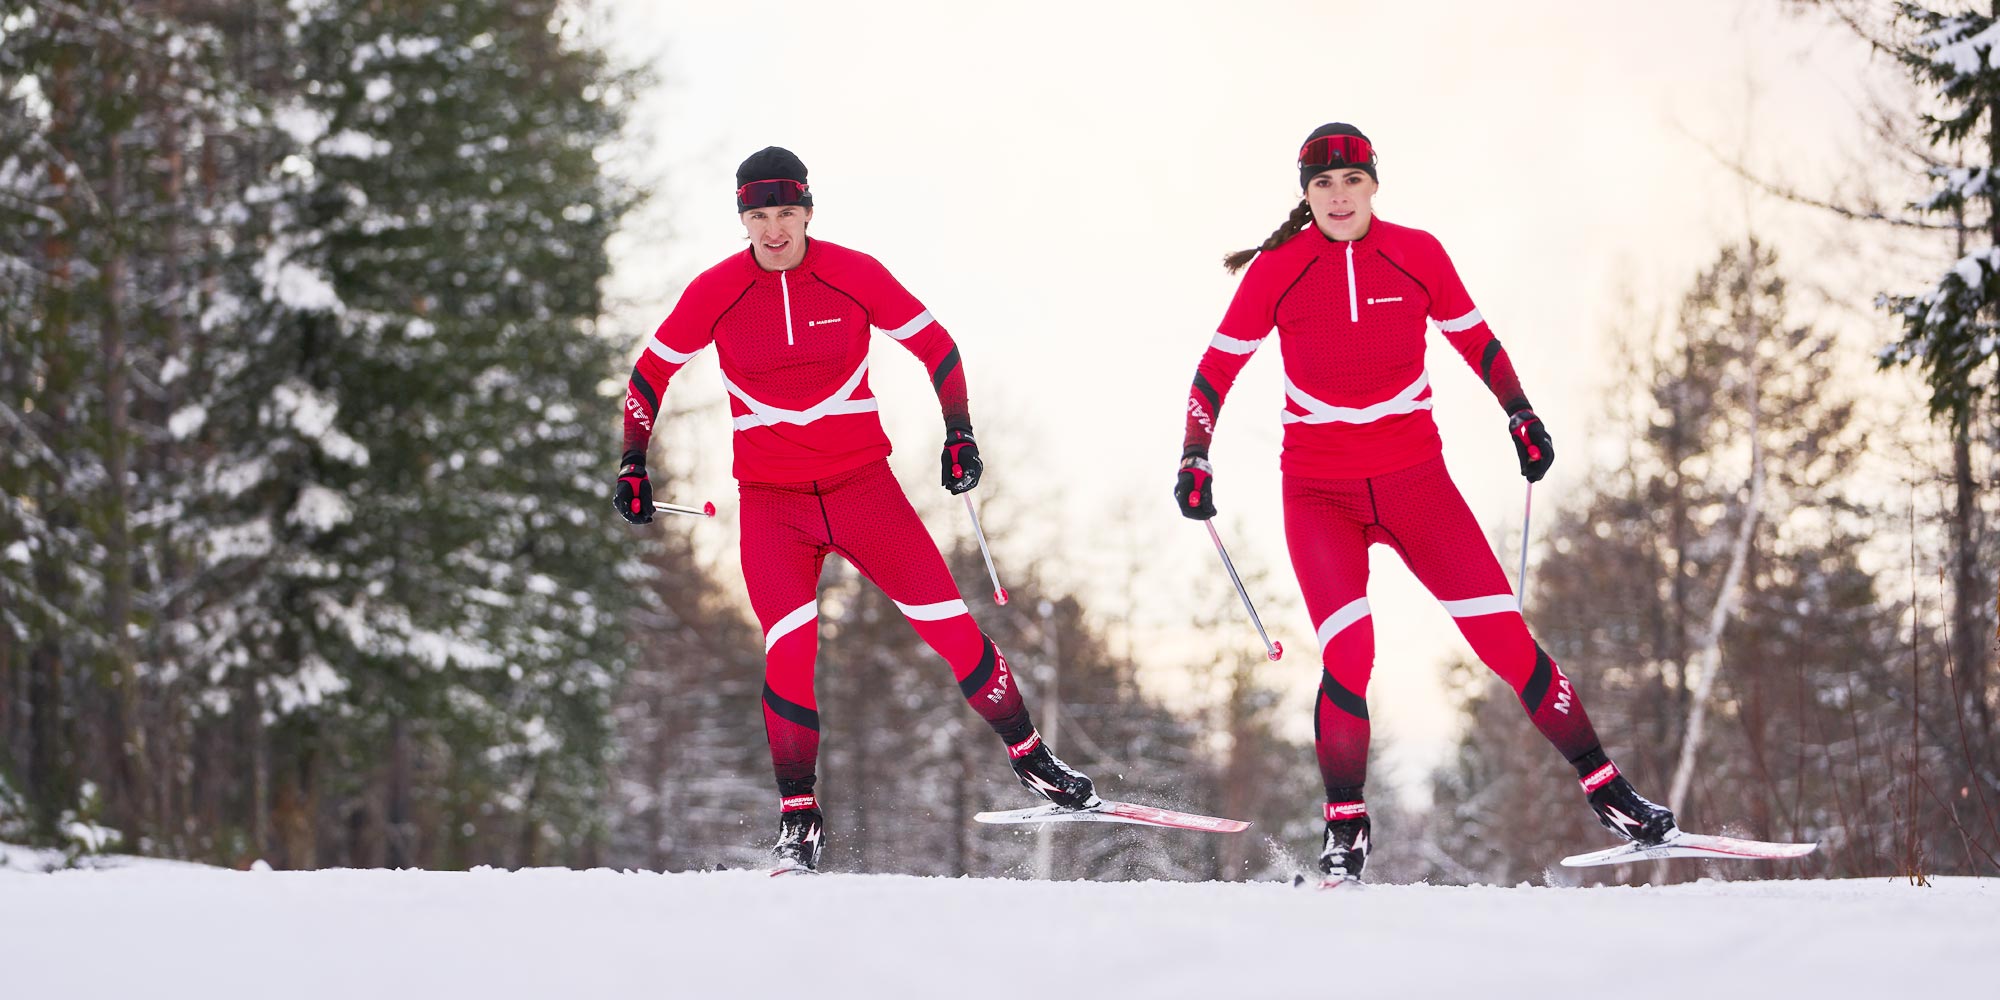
[(1429, 524), (1330, 557)]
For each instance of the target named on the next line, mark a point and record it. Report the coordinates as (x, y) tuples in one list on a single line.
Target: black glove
[(1532, 444), (1194, 488), (961, 461), (634, 497)]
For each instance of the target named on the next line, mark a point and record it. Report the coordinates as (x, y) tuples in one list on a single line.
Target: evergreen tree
[(1629, 578), (1952, 330)]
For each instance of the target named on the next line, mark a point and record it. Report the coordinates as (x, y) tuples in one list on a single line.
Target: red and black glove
[(961, 460), (634, 496), (1194, 488), (1531, 444)]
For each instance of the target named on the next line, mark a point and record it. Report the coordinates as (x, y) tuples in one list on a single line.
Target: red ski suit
[(812, 470), (1362, 464)]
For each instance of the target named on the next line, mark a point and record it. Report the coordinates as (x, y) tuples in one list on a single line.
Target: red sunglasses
[(760, 194), (1330, 151)]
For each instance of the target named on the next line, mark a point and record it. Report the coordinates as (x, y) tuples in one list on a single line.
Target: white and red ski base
[(1681, 844), (1112, 811)]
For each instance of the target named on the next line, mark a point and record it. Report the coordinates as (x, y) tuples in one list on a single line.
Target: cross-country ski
[(1109, 811), (1680, 844)]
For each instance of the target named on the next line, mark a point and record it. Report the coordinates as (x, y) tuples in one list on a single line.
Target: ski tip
[(1277, 651), (1000, 596), (707, 509)]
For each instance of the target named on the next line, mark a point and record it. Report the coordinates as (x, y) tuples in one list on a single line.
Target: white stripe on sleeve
[(1230, 345), (670, 355), (910, 329), (1465, 322)]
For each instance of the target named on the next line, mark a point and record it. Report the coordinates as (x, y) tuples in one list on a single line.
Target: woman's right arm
[(1250, 318)]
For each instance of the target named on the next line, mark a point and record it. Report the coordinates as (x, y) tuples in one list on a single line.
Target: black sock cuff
[(788, 787), (1015, 729), (1589, 761), (1346, 793)]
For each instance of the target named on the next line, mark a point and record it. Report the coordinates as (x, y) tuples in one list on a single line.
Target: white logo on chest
[(1392, 298), (822, 322)]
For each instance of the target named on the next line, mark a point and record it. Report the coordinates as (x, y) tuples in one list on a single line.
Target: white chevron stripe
[(809, 612), (1319, 412), (1230, 345), (912, 328), (1465, 322), (1355, 610), (934, 612), (1473, 607), (670, 355), (763, 414)]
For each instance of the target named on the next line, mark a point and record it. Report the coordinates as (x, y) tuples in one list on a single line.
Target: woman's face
[(778, 235), (1343, 202)]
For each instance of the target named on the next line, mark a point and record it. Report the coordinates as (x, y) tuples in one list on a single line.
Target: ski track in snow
[(164, 930)]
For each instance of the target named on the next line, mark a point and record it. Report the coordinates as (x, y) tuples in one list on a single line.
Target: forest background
[(316, 314)]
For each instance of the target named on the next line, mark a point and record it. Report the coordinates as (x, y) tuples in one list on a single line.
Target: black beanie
[(1308, 171), (772, 163)]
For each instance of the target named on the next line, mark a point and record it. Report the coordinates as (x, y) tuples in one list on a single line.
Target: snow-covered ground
[(168, 931)]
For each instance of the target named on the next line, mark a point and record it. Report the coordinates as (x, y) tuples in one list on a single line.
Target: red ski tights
[(861, 514), (1329, 525)]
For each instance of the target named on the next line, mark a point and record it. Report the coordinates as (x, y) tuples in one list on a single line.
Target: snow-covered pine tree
[(414, 590), (1952, 330), (103, 104), (1626, 580)]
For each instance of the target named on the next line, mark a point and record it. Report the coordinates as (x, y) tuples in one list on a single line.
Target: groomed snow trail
[(169, 931)]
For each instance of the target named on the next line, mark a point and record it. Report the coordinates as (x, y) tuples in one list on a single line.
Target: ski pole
[(1521, 578), (705, 510), (1273, 650), (999, 592)]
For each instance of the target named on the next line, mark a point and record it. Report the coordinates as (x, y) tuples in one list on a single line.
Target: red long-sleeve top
[(1350, 318), (794, 352)]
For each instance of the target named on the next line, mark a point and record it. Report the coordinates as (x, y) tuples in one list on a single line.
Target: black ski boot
[(1044, 773), (1345, 849), (801, 836), (1624, 812)]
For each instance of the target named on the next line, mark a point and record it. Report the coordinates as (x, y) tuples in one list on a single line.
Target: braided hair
[(1294, 224)]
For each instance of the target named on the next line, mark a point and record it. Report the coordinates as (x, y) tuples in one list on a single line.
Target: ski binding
[(1692, 845), (1109, 811)]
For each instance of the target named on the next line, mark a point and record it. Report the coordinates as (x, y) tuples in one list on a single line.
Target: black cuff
[(958, 424), (1516, 405), (1194, 451), (630, 458)]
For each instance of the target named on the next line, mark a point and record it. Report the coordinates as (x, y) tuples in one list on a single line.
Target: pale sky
[(1057, 183)]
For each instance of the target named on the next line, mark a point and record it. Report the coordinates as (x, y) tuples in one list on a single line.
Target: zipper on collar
[(1353, 304), (786, 290)]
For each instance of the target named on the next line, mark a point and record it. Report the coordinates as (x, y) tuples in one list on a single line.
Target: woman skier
[(1362, 464), (790, 321)]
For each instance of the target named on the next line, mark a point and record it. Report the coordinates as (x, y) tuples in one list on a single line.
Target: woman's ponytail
[(1294, 224)]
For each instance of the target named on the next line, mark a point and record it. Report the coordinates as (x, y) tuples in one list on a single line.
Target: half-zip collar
[(1353, 302), (785, 289), (784, 283), (1353, 297)]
